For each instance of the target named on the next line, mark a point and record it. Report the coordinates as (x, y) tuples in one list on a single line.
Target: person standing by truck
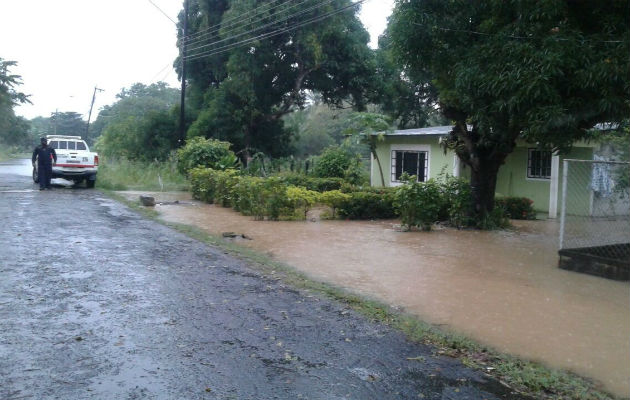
[(45, 157)]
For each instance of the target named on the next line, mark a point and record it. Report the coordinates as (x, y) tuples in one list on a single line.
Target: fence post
[(563, 213)]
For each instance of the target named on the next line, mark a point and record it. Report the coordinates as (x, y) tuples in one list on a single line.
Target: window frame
[(426, 149), (541, 168)]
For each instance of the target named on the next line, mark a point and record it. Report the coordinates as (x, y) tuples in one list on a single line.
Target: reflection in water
[(20, 167), (501, 288)]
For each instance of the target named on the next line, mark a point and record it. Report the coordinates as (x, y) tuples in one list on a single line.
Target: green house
[(528, 172)]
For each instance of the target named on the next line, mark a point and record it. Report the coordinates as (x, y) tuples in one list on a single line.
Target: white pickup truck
[(75, 161)]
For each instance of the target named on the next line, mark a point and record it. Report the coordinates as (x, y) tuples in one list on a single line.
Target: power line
[(261, 36), (160, 72), (272, 33), (229, 20), (263, 26), (162, 11), (253, 20)]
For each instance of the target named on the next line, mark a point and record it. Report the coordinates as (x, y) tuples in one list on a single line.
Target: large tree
[(252, 62), (67, 123), (140, 125), (136, 101), (13, 129), (409, 101), (543, 71)]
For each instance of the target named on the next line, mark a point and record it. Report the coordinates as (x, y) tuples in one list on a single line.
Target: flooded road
[(97, 302), (501, 288)]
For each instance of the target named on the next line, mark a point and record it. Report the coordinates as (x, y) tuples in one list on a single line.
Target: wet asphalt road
[(97, 302)]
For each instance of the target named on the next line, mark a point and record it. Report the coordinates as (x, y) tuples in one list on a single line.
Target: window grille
[(539, 164), (412, 162)]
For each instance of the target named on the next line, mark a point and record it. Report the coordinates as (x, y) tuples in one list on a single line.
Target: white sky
[(64, 48)]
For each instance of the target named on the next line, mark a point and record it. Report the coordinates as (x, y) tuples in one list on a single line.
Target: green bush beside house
[(418, 204)]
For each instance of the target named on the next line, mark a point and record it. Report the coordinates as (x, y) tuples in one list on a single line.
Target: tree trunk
[(484, 161), (483, 182)]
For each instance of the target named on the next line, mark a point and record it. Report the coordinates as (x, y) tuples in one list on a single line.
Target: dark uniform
[(45, 156)]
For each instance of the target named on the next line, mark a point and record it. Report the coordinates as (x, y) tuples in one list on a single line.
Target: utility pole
[(182, 103), (87, 127), (55, 120)]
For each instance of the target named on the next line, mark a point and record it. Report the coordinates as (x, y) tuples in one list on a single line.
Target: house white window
[(539, 164), (412, 162)]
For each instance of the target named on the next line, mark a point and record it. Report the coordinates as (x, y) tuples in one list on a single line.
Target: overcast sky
[(64, 48)]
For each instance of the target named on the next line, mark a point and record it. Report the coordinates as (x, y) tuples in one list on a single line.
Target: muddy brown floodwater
[(501, 288)]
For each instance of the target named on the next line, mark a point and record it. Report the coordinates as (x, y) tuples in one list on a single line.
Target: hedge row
[(271, 198), (292, 195)]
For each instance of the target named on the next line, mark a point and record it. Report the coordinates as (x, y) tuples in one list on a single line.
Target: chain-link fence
[(595, 218)]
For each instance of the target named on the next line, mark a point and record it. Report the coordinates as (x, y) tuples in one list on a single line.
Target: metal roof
[(433, 130)]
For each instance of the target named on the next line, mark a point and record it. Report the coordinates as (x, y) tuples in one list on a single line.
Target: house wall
[(511, 181), (438, 161)]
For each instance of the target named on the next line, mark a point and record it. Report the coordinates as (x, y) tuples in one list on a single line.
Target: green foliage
[(203, 184), (516, 207), (262, 165), (333, 162), (242, 93), (141, 125), (315, 128), (545, 72), (457, 202), (418, 203), (311, 182), (207, 153), (225, 194), (276, 199), (152, 136), (67, 123), (13, 129), (301, 198), (251, 197), (334, 199), (260, 197), (370, 204), (495, 219), (137, 101)]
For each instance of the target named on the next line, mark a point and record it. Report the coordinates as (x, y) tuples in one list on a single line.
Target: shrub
[(249, 197), (301, 199), (516, 207), (209, 153), (356, 173), (457, 206), (496, 219), (333, 162), (368, 205), (203, 184), (311, 182), (226, 181), (418, 203), (334, 199), (275, 198)]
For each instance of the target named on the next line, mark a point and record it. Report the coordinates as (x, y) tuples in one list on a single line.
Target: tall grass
[(8, 152), (123, 174)]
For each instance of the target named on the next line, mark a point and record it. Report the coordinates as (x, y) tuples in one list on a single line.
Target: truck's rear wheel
[(89, 183)]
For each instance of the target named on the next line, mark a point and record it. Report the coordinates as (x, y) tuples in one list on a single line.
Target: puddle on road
[(20, 167), (501, 288)]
